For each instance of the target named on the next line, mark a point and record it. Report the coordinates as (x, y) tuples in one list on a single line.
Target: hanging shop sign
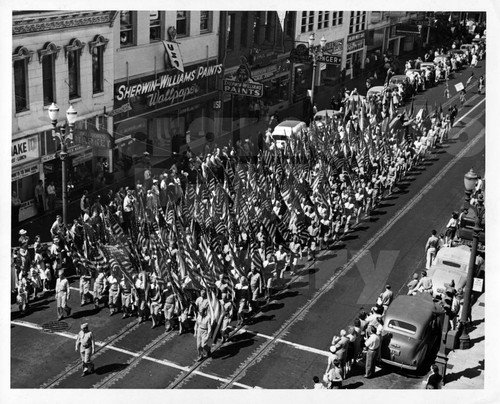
[(174, 54), (243, 84), (300, 54), (24, 172), (335, 47), (355, 41), (25, 150), (93, 138), (404, 29), (164, 90)]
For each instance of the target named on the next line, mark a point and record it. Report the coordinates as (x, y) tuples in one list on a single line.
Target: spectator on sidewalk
[(434, 381), (372, 345), (51, 195), (40, 206), (430, 249), (16, 207), (451, 229)]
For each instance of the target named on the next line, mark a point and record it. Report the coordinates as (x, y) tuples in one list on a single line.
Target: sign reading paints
[(355, 41), (24, 150)]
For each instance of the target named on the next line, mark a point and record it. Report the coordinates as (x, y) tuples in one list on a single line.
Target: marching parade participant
[(86, 345)]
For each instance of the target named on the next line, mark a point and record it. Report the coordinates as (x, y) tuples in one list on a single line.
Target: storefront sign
[(262, 57), (355, 41), (82, 158), (154, 92), (93, 138), (24, 172), (174, 54), (330, 59), (402, 29), (124, 108), (247, 88), (335, 46), (165, 81), (24, 150)]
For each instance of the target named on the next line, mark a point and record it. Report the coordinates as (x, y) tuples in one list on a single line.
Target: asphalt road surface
[(286, 344)]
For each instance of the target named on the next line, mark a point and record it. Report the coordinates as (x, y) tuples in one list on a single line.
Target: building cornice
[(57, 20)]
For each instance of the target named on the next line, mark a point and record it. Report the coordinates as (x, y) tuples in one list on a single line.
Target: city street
[(287, 343)]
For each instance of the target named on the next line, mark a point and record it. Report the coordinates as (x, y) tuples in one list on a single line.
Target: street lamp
[(64, 138), (315, 51), (470, 181)]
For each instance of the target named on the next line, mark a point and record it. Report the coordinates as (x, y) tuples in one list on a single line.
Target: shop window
[(127, 28), (182, 23), (47, 57), (97, 48), (206, 21), (21, 58), (256, 27), (73, 52), (230, 31), (154, 26)]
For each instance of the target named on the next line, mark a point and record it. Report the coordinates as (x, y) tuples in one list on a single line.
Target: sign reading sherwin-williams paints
[(164, 90), (242, 84), (355, 41)]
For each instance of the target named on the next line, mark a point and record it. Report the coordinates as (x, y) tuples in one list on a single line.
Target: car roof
[(457, 254), (400, 77), (417, 309), (289, 123)]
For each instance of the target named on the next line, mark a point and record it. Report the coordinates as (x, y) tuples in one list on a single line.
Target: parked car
[(286, 129), (441, 58), (466, 46), (450, 263), (321, 116), (412, 325), (379, 90)]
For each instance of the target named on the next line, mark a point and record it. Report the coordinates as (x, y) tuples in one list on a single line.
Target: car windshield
[(403, 326), (280, 137)]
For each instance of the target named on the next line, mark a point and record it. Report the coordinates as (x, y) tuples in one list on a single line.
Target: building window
[(310, 24), (127, 28), (337, 18), (74, 74), (244, 30), (73, 52), (21, 58), (230, 30), (97, 48), (289, 23), (326, 19), (154, 26), (205, 21), (182, 23), (320, 19), (269, 24), (47, 57), (357, 22)]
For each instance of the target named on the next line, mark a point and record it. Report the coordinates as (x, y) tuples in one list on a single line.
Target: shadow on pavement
[(259, 319), (474, 341), (113, 367), (271, 306), (352, 386), (287, 294), (469, 373), (84, 313), (234, 345)]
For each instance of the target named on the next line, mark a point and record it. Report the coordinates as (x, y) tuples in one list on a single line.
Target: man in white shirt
[(62, 296)]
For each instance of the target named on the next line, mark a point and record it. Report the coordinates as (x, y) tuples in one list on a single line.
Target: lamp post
[(315, 51), (470, 180), (64, 138)]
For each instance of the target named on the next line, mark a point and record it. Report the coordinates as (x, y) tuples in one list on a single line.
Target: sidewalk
[(466, 367)]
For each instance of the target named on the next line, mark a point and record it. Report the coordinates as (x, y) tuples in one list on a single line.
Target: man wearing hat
[(85, 343), (62, 295), (23, 239)]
